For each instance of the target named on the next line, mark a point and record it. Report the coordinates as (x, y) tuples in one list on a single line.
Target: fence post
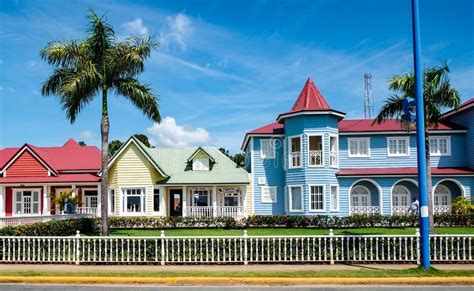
[(417, 234), (162, 236), (331, 247), (245, 247), (78, 240)]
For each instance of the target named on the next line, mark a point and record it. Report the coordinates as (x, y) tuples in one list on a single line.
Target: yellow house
[(177, 181)]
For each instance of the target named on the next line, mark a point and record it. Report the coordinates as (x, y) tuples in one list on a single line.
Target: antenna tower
[(369, 102)]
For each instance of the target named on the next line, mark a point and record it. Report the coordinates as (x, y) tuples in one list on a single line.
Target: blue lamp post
[(420, 140)]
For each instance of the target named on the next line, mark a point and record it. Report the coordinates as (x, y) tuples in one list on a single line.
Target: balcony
[(295, 159), (220, 211), (368, 210), (315, 158)]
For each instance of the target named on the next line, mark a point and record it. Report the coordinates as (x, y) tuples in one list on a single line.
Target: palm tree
[(84, 69), (438, 96)]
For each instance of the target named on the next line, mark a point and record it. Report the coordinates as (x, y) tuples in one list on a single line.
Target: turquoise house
[(313, 160)]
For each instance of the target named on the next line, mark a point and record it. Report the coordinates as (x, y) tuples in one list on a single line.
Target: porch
[(365, 198)]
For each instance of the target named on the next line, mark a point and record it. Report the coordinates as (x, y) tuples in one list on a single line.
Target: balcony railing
[(365, 210), (220, 211), (316, 158), (24, 219), (401, 210), (442, 209), (295, 159)]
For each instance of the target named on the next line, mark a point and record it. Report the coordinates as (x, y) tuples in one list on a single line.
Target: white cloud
[(169, 133), (87, 135), (135, 27), (178, 29)]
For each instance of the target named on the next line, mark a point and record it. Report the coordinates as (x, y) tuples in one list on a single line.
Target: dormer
[(201, 160)]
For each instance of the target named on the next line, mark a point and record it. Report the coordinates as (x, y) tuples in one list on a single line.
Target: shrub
[(51, 228)]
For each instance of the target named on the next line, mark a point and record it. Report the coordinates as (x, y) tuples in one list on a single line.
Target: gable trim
[(197, 151), (32, 152)]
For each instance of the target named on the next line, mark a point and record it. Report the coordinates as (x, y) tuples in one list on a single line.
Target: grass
[(365, 273), (282, 231)]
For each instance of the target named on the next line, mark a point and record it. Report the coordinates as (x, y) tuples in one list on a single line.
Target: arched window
[(442, 196), (360, 196), (400, 196)]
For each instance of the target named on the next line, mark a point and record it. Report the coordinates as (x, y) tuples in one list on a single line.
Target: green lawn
[(282, 231)]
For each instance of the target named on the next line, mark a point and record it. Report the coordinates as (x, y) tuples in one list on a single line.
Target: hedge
[(51, 228)]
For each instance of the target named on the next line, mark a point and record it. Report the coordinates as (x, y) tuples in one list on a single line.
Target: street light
[(420, 140)]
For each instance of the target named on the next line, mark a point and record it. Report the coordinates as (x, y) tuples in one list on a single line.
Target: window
[(398, 146), (90, 198), (316, 196), (440, 146), (200, 196), (156, 200), (359, 147), (334, 198), (269, 194), (201, 164), (133, 200), (230, 196), (296, 201), (360, 196), (315, 152), (333, 151), (401, 196), (442, 196), (111, 201), (295, 152), (27, 201), (267, 149)]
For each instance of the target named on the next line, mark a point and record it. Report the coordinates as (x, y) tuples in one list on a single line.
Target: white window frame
[(273, 188), (290, 196), (83, 200), (397, 143), (310, 198), (322, 150), (350, 155), (399, 195), (111, 207), (123, 209), (448, 194), (15, 210), (331, 204), (270, 146), (448, 146), (161, 200), (337, 151), (201, 164), (290, 160), (368, 194), (197, 189)]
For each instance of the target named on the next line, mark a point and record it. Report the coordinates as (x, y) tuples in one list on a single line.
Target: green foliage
[(114, 147), (461, 205), (66, 196), (149, 222), (82, 143), (51, 228), (143, 138)]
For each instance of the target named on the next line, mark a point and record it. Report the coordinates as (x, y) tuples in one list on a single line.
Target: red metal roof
[(61, 178), (310, 99), (365, 125), (272, 128), (403, 171), (66, 158)]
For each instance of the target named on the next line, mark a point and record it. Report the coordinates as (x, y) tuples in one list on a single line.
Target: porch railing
[(20, 220), (316, 158), (401, 210), (86, 210), (365, 209), (220, 211), (244, 249), (442, 209)]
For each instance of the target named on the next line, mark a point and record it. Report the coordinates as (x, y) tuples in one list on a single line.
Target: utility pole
[(369, 103), (420, 140)]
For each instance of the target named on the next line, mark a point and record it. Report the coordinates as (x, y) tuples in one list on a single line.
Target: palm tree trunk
[(104, 127), (429, 181)]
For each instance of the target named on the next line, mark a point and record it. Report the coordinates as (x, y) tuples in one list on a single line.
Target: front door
[(176, 196)]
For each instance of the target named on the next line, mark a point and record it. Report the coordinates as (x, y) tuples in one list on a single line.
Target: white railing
[(199, 211), (442, 209), (20, 220), (401, 210), (234, 249), (365, 209), (220, 211), (295, 159), (86, 210), (315, 158), (333, 158)]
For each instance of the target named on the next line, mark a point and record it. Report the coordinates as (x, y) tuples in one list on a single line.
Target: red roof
[(365, 125), (310, 99), (403, 171), (61, 178), (66, 158), (272, 128)]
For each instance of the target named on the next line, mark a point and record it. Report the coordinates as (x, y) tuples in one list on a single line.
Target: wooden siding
[(132, 169), (248, 193), (26, 165), (466, 119)]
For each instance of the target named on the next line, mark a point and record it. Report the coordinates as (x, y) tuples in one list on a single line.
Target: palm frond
[(392, 108), (63, 53), (101, 36)]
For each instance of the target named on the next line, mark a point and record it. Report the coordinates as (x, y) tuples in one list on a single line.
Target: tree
[(82, 143), (84, 69), (143, 138), (438, 95), (114, 146), (225, 152), (239, 159)]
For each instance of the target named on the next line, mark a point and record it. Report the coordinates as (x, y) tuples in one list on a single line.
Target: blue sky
[(226, 67)]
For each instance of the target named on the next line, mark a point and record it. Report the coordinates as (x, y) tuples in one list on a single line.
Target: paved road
[(11, 287)]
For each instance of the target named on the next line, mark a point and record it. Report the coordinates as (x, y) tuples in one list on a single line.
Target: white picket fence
[(234, 249)]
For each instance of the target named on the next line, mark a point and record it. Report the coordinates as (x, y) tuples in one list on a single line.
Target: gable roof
[(41, 156), (200, 149)]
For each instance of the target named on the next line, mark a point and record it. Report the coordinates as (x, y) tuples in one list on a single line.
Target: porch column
[(2, 200), (243, 199), (214, 201), (99, 199), (184, 202), (46, 200)]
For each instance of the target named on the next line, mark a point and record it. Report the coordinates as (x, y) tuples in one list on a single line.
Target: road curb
[(238, 281)]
